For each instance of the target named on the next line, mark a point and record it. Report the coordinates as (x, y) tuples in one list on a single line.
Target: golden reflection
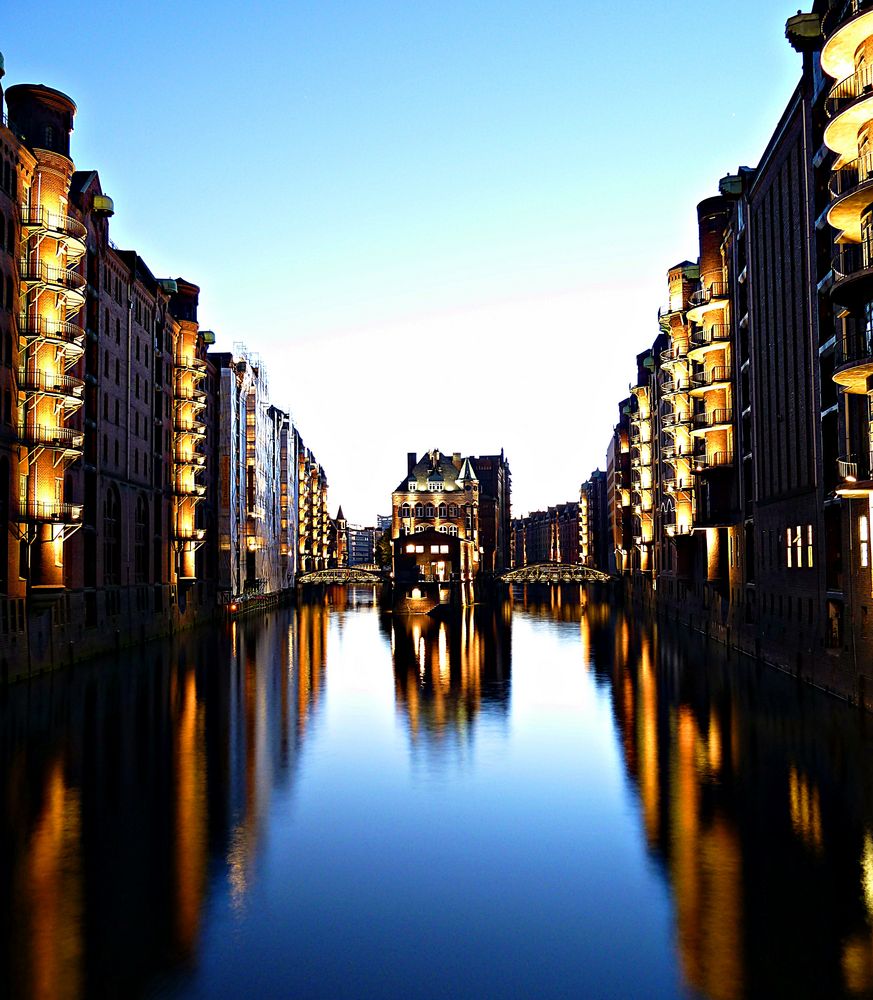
[(190, 838), (56, 892), (440, 668), (805, 808)]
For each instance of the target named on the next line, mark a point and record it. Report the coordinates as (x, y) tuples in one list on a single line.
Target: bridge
[(355, 575), (555, 573)]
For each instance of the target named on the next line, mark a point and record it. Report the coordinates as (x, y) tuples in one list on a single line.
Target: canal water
[(547, 798)]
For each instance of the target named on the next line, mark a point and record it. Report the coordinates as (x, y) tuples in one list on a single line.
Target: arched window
[(451, 529), (419, 511), (140, 540), (453, 510), (443, 510), (404, 511), (428, 511), (419, 528), (112, 538)]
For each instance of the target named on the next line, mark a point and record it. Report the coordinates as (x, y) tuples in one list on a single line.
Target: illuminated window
[(434, 487), (864, 535), (410, 548), (798, 545), (411, 485), (435, 548), (788, 549), (444, 548), (419, 528), (419, 548), (809, 558)]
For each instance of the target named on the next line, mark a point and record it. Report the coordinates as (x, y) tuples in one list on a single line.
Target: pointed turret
[(467, 473)]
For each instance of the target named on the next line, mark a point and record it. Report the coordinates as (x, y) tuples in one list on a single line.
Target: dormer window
[(434, 487), (411, 485)]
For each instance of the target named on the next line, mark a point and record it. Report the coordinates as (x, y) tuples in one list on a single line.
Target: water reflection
[(447, 670), (755, 796), (137, 796), (122, 784)]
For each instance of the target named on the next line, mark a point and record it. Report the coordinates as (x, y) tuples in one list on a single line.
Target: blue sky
[(440, 224)]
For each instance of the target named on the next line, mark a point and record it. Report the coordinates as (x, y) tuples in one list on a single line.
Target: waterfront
[(542, 798)]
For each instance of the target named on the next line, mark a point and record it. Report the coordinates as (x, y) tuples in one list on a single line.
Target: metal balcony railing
[(851, 175), (852, 259), (37, 272), (714, 418), (30, 380), (65, 438), (853, 348), (849, 90), (39, 510), (716, 290), (714, 460), (675, 419), (847, 470), (718, 333), (32, 327), (37, 217), (840, 12), (721, 373), (675, 386)]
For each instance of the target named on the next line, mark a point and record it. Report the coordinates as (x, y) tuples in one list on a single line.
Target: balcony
[(65, 387), (67, 440), (64, 281), (718, 377), (64, 228), (49, 512), (185, 490), (713, 460), (676, 486), (853, 362), (195, 396), (191, 363), (704, 299), (855, 482), (185, 534), (839, 14), (196, 460), (192, 427), (671, 421), (673, 355), (66, 335), (851, 190), (716, 337), (848, 104), (719, 419), (675, 386), (674, 530), (853, 268)]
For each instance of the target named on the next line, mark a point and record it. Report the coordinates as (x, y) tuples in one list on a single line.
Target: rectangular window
[(798, 544), (809, 557), (435, 548), (419, 548), (444, 549), (410, 548), (864, 536), (788, 549)]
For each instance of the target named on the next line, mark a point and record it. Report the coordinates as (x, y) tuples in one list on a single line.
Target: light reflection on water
[(546, 797)]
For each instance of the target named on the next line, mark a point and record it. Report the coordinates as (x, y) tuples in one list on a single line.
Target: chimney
[(410, 462), (456, 459)]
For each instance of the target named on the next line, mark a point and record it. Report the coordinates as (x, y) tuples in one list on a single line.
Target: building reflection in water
[(124, 785), (449, 670), (755, 797)]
